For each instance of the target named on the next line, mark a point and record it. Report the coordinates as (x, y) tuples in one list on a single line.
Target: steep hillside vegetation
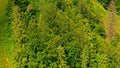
[(62, 34)]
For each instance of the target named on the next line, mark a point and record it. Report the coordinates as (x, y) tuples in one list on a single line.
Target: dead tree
[(111, 22)]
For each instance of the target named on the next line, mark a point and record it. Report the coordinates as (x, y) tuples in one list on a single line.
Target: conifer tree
[(18, 27)]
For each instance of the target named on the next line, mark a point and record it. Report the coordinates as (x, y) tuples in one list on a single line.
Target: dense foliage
[(61, 34), (105, 4)]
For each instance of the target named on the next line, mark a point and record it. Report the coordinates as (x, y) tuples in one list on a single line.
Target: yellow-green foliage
[(62, 34)]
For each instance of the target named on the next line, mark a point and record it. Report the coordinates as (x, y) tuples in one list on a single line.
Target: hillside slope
[(64, 34)]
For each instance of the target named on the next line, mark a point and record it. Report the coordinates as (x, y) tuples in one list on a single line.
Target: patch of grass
[(5, 45), (3, 4), (5, 41)]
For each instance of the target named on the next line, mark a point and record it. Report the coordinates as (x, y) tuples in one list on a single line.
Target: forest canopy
[(64, 33)]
